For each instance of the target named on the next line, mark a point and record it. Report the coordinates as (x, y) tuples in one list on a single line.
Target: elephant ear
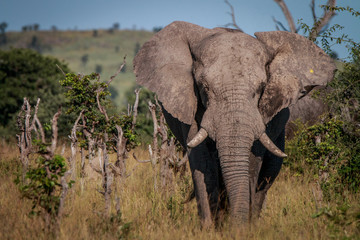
[(164, 66), (298, 65)]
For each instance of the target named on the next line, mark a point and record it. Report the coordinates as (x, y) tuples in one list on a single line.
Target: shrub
[(331, 150), (26, 73), (44, 186), (329, 153)]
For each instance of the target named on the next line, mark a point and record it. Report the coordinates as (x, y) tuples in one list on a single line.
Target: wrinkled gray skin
[(308, 110), (234, 87)]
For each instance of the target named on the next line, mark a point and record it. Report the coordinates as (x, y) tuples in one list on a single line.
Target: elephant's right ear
[(164, 66)]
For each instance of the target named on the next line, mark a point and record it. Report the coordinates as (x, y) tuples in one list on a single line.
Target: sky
[(252, 16)]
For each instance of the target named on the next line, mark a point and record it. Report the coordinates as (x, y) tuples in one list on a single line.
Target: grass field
[(150, 214), (106, 50)]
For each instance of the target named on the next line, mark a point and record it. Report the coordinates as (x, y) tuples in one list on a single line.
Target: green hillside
[(103, 48)]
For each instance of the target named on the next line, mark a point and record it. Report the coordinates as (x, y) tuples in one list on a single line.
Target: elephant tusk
[(200, 136), (269, 145)]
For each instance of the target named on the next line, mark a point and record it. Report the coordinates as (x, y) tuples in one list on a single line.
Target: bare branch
[(140, 161), (278, 23), (324, 20), (183, 160), (27, 127), (73, 131), (32, 126), (24, 138), (73, 146), (64, 191), (41, 130), (117, 72), (287, 14), (136, 104), (232, 14), (312, 6), (152, 108), (120, 150), (55, 132), (101, 108), (62, 71), (116, 170)]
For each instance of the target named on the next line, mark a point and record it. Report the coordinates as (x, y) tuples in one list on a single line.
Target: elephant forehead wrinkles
[(231, 57)]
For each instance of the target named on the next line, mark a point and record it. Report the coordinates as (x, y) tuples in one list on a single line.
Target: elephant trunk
[(234, 144)]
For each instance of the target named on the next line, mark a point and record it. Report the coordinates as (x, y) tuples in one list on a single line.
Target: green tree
[(36, 27), (35, 44), (137, 48), (95, 33), (98, 68), (157, 29), (3, 37), (26, 73), (84, 59), (116, 26)]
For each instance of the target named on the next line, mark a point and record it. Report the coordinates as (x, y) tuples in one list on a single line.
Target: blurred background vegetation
[(28, 68)]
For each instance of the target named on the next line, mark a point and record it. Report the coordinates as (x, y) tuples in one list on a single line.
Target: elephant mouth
[(308, 89), (207, 130)]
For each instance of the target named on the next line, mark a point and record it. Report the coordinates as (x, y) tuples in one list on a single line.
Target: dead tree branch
[(278, 23), (108, 177), (287, 14), (101, 108), (62, 71), (117, 72), (41, 129), (140, 161), (136, 105), (54, 132), (120, 151), (232, 14), (329, 13), (24, 137), (73, 139), (154, 151), (166, 155), (312, 7)]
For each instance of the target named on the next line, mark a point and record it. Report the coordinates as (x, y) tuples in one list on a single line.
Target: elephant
[(308, 110), (225, 96)]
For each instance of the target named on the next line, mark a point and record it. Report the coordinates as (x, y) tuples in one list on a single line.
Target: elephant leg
[(204, 165), (270, 169), (205, 173), (254, 170)]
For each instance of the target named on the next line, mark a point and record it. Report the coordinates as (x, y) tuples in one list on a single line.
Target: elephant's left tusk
[(269, 145), (199, 138)]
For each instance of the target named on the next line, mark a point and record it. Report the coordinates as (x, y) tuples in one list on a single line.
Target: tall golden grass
[(147, 213)]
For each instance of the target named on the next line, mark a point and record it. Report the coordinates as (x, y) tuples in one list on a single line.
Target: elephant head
[(242, 82)]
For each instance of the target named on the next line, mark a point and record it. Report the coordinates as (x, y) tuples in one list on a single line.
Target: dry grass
[(150, 214)]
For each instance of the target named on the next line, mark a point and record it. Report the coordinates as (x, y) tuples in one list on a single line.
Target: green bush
[(344, 97), (328, 153), (26, 73), (330, 150), (43, 185), (81, 96)]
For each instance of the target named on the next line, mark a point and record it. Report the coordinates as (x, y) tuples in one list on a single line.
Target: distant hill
[(88, 51)]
